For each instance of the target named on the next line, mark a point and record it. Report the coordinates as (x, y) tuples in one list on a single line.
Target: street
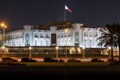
[(59, 72)]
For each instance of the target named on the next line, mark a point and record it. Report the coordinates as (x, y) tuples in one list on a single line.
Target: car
[(110, 60), (49, 59), (73, 60), (96, 60), (27, 60), (8, 60)]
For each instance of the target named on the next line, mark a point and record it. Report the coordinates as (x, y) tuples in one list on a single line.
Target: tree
[(117, 26), (110, 37)]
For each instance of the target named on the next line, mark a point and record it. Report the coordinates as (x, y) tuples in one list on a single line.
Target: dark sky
[(93, 13)]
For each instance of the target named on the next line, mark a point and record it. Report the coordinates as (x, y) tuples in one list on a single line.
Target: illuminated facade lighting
[(77, 35)]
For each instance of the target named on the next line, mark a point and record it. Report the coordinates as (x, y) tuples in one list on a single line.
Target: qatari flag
[(68, 9)]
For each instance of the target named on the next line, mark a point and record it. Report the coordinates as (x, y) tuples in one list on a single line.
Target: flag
[(68, 9)]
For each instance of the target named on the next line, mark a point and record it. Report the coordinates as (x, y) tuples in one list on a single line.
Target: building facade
[(54, 34)]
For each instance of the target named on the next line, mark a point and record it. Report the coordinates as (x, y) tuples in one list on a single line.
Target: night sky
[(92, 13)]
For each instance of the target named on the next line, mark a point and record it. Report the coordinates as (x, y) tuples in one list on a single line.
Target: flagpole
[(64, 14), (64, 11), (68, 9)]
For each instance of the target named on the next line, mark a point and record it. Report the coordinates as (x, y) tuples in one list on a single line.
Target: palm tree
[(109, 37), (117, 26)]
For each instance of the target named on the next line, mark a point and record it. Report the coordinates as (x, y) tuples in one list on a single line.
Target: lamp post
[(3, 48), (4, 37), (66, 31), (30, 54), (83, 54), (109, 53), (56, 52)]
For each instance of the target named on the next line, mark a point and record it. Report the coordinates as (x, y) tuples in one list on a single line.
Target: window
[(36, 36), (85, 34)]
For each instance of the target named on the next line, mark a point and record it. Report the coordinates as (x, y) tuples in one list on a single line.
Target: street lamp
[(109, 53), (56, 52), (83, 54), (3, 48), (66, 31), (30, 54), (4, 36)]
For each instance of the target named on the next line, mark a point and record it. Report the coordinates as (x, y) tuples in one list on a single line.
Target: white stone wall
[(76, 36)]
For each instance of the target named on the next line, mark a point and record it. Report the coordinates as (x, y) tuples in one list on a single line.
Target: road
[(19, 72)]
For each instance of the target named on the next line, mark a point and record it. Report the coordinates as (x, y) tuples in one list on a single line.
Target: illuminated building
[(54, 34)]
